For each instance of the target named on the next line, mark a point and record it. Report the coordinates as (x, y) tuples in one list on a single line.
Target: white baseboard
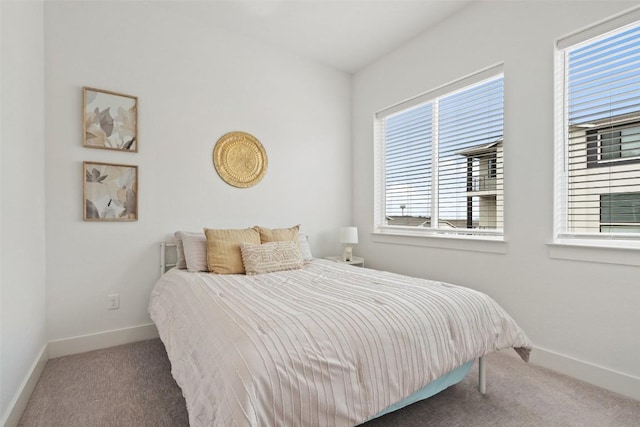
[(19, 402), (100, 340), (588, 372)]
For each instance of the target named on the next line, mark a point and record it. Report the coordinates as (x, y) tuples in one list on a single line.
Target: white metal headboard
[(165, 263)]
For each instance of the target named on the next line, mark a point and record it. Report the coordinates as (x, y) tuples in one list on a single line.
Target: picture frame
[(109, 192), (109, 120)]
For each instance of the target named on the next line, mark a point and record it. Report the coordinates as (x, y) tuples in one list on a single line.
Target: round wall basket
[(240, 159)]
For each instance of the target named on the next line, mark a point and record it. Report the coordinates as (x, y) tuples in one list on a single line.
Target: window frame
[(574, 245), (595, 144), (380, 228)]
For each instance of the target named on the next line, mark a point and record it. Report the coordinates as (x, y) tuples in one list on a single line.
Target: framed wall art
[(110, 120), (110, 192)]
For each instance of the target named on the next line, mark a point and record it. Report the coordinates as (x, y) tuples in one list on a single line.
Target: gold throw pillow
[(278, 234), (223, 249)]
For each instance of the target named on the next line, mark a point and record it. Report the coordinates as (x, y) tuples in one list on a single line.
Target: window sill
[(495, 245), (595, 251)]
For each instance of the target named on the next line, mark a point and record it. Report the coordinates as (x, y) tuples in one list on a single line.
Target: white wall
[(22, 196), (586, 311), (194, 84)]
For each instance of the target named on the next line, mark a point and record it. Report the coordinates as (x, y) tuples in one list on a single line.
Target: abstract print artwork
[(110, 120), (110, 192)]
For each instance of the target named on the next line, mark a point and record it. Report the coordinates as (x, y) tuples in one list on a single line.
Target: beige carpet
[(131, 385)]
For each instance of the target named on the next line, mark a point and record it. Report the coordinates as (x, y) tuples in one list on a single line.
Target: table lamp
[(348, 237)]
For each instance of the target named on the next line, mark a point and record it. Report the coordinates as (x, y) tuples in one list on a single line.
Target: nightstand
[(355, 261)]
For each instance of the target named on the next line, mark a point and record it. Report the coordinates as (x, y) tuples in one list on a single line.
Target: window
[(620, 213), (439, 160), (598, 150), (493, 167), (613, 143)]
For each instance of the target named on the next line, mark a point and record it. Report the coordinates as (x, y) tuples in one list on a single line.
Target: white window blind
[(439, 162), (409, 138), (598, 167)]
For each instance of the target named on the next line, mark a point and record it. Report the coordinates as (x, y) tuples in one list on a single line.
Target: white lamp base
[(347, 255)]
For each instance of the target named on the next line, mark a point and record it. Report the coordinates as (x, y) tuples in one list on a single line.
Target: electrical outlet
[(114, 301)]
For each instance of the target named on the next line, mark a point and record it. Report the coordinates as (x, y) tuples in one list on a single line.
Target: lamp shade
[(349, 235)]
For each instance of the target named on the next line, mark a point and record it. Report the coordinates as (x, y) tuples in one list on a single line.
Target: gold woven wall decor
[(240, 159)]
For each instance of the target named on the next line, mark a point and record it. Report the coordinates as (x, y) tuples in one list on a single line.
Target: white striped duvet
[(327, 345)]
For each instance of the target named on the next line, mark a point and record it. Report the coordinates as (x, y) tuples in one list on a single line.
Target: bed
[(324, 345)]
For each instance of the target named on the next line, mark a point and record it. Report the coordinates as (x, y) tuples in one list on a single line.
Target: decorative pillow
[(223, 249), (278, 234), (195, 250), (181, 261), (270, 257), (305, 249)]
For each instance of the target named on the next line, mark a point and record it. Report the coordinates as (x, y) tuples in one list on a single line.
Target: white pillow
[(195, 250), (305, 249), (181, 263), (270, 257)]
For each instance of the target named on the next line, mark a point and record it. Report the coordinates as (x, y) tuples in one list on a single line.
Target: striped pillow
[(271, 257), (277, 234), (305, 249), (181, 261), (195, 251), (223, 249)]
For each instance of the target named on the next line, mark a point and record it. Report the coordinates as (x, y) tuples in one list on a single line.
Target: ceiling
[(344, 34)]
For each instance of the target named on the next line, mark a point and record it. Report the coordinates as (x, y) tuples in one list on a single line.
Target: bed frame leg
[(482, 375)]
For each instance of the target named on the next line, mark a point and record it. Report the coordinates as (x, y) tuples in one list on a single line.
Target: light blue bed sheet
[(434, 387)]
